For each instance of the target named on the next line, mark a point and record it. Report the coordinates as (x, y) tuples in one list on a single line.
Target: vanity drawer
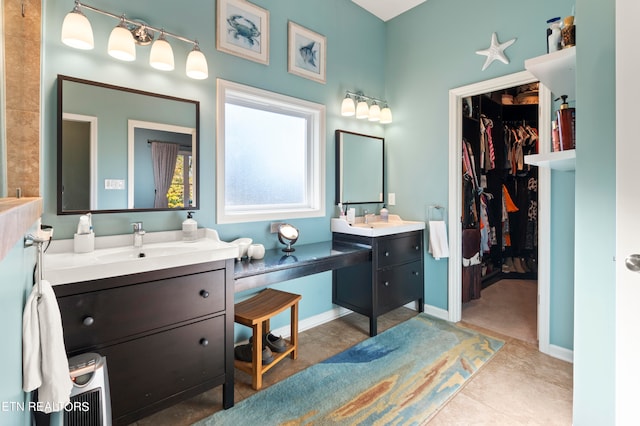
[(400, 285), (98, 317), (393, 251), (146, 371)]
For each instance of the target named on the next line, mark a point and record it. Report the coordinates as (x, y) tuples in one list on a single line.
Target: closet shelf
[(556, 70), (561, 160)]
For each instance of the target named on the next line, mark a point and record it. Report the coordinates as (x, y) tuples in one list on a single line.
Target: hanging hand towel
[(44, 359), (438, 246)]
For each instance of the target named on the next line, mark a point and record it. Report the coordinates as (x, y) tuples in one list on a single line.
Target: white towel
[(44, 359), (438, 246)]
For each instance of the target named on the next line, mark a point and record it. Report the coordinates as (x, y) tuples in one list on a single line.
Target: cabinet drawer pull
[(204, 294), (416, 273), (386, 253), (88, 321), (417, 247), (204, 342), (386, 283)]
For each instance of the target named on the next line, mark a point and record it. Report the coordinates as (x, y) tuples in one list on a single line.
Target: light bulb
[(362, 110), (348, 107), (197, 64), (121, 43), (374, 112), (385, 115), (161, 56), (76, 30)]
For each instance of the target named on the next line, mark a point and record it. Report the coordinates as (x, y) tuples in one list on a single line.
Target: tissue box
[(83, 243)]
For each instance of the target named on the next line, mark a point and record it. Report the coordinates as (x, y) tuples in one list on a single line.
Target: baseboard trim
[(443, 314), (335, 313), (314, 321), (561, 353)]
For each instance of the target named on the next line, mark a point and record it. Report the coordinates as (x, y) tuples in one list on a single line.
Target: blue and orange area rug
[(401, 376)]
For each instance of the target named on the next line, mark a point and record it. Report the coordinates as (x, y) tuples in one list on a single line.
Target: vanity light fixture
[(348, 106), (76, 30), (365, 107), (121, 43), (77, 33), (161, 55), (374, 112), (197, 63)]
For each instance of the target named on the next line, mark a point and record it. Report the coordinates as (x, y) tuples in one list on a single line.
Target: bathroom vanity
[(166, 333), (393, 278)]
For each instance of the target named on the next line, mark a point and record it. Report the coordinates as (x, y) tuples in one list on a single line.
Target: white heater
[(90, 399)]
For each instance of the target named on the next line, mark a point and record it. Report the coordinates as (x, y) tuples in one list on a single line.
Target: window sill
[(17, 215)]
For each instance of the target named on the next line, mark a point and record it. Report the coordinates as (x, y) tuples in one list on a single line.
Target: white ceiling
[(387, 9)]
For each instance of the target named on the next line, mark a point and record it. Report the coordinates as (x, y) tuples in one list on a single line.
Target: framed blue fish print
[(243, 30), (307, 53)]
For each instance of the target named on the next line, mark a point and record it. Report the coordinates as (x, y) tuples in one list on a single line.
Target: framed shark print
[(307, 53), (243, 30)]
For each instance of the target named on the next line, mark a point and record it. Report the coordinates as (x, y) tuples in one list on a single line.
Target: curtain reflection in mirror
[(164, 156)]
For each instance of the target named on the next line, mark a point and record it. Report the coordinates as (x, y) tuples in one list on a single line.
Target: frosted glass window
[(270, 155)]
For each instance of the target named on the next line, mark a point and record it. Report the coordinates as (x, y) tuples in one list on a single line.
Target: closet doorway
[(512, 253)]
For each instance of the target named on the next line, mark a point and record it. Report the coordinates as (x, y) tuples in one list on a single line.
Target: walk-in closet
[(499, 208)]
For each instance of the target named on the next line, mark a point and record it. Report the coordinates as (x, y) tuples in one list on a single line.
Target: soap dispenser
[(384, 214), (189, 228)]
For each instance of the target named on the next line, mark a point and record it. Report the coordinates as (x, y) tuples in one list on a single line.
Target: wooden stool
[(256, 313)]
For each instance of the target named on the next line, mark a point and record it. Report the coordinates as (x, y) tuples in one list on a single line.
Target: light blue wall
[(562, 258), (16, 270), (426, 52), (435, 45), (594, 343), (356, 49), (356, 60)]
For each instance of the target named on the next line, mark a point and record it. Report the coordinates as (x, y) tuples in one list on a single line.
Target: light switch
[(392, 198), (114, 184)]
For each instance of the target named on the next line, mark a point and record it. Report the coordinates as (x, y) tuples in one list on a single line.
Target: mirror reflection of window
[(179, 184), (112, 162), (181, 190)]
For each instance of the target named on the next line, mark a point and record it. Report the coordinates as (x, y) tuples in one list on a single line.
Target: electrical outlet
[(392, 198), (275, 226)]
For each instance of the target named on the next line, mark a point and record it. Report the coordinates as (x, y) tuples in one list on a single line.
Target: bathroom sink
[(128, 253), (116, 256), (376, 228)]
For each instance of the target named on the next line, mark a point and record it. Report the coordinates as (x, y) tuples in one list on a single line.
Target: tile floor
[(518, 386)]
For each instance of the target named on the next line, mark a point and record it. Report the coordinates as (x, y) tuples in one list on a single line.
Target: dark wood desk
[(307, 259)]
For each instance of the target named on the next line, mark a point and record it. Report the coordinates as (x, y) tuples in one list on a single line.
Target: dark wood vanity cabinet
[(393, 278), (167, 335)]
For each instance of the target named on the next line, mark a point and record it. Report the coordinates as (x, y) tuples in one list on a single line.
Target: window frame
[(316, 152)]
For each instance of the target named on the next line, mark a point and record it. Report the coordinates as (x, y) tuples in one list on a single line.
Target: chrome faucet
[(368, 216), (138, 232)]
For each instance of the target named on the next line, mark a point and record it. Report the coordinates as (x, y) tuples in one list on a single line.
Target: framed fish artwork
[(307, 53), (243, 30)]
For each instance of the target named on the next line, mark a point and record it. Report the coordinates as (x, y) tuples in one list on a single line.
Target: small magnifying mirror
[(288, 235)]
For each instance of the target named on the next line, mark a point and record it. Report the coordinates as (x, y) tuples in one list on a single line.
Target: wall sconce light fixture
[(77, 33), (365, 107)]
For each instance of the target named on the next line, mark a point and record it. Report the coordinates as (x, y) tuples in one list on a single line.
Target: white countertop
[(116, 256)]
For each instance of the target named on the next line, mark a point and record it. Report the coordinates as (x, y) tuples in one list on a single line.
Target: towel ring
[(437, 209)]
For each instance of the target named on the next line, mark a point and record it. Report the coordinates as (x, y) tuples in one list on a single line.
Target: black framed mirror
[(359, 168), (122, 149)]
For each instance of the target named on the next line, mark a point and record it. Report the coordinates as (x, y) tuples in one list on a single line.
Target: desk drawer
[(99, 317), (394, 251), (146, 371)]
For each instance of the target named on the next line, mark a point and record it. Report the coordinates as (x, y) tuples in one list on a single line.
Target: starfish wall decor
[(495, 51)]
